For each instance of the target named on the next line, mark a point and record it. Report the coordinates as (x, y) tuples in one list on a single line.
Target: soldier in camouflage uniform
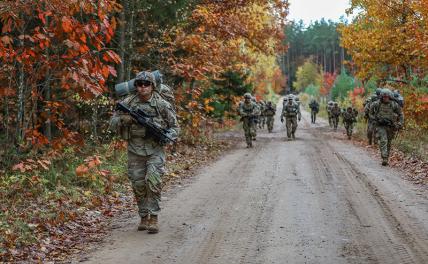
[(262, 119), (388, 119), (291, 112), (270, 111), (315, 107), (249, 111), (146, 155), (328, 108), (335, 113), (349, 118)]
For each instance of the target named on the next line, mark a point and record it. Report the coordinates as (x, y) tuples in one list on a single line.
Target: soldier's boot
[(249, 142), (153, 227), (143, 223), (384, 161)]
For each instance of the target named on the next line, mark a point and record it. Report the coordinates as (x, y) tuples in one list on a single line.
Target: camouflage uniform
[(335, 113), (262, 119), (388, 118), (328, 108), (349, 118), (146, 156), (314, 110), (269, 112), (291, 112), (249, 112)]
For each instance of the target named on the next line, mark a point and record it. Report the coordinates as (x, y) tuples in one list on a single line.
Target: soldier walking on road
[(328, 108), (315, 107), (146, 155), (262, 119), (248, 110), (335, 113), (349, 118), (291, 112), (389, 119), (270, 115)]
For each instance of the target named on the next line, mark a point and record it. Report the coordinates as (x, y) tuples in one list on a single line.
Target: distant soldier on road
[(270, 111), (262, 119), (349, 118), (315, 107), (328, 108), (291, 112), (146, 155), (335, 114), (249, 111), (389, 119)]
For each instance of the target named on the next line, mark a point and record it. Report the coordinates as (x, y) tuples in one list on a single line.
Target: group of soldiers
[(349, 117), (382, 111), (147, 120), (255, 114)]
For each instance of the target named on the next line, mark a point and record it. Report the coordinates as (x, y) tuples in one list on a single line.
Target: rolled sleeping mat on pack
[(124, 88)]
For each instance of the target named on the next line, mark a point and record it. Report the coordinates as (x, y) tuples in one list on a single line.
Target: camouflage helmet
[(145, 76), (330, 102), (247, 96), (378, 91), (335, 103), (386, 92)]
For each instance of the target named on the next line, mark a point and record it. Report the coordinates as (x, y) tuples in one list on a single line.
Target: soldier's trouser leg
[(270, 123), (384, 136), (289, 126), (248, 134), (145, 173), (330, 121), (294, 126), (253, 129), (335, 122), (370, 131)]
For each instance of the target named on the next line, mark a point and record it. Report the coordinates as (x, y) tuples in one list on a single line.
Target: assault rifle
[(143, 119)]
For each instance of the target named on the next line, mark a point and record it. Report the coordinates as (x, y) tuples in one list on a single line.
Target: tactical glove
[(126, 119)]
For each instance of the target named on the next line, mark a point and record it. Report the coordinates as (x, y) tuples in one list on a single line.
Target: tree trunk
[(122, 41), (131, 38)]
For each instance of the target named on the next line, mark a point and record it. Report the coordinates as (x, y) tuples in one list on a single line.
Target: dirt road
[(318, 199)]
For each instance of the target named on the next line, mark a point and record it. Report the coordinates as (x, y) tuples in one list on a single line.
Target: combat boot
[(384, 161), (153, 227), (144, 223)]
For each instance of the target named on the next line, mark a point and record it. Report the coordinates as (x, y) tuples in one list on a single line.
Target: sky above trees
[(311, 10)]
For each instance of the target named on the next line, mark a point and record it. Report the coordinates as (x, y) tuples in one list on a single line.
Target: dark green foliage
[(320, 41), (343, 84), (229, 85)]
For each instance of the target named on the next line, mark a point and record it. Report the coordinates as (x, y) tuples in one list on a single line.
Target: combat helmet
[(386, 92), (330, 103), (247, 96), (145, 76)]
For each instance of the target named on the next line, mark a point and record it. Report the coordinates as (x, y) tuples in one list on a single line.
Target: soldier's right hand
[(126, 119)]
